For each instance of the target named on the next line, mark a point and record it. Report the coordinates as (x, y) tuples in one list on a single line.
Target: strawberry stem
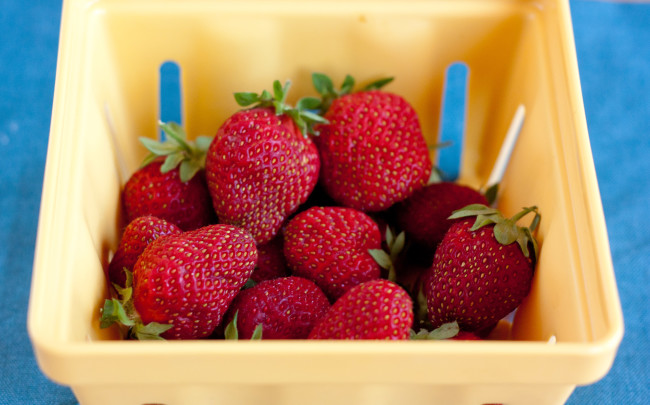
[(304, 114), (257, 333), (444, 331), (325, 87), (506, 230), (491, 194), (123, 313), (523, 213), (177, 150), (113, 312), (231, 331), (420, 310), (387, 260), (378, 84), (384, 261)]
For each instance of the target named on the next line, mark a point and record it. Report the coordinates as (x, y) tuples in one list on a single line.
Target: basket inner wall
[(231, 48)]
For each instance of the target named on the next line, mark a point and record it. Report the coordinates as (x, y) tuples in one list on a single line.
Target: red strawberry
[(373, 153), (173, 188), (136, 236), (376, 309), (479, 274), (329, 245), (270, 261), (261, 165), (287, 308), (424, 215), (183, 284)]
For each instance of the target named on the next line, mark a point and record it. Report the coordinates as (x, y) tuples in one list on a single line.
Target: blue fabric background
[(613, 45)]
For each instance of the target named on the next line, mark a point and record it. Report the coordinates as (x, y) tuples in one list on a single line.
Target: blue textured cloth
[(613, 47), (614, 58), (28, 50)]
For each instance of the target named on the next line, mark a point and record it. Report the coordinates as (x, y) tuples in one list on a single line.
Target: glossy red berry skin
[(137, 235), (186, 204), (329, 245), (286, 307), (377, 309), (270, 261), (260, 168), (423, 216), (474, 279), (373, 153), (190, 279)]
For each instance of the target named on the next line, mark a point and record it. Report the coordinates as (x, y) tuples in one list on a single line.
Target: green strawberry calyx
[(491, 193), (443, 332), (304, 113), (506, 230), (421, 309), (232, 333), (122, 312), (386, 259), (178, 151), (325, 87)]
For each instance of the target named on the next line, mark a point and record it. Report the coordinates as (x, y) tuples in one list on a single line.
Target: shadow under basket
[(109, 91)]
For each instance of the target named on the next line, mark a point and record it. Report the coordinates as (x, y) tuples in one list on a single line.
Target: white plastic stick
[(508, 145)]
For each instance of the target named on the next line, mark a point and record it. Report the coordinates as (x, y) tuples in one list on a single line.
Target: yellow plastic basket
[(107, 95)]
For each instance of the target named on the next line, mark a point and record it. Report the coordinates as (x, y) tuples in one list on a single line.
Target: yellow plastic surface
[(106, 96)]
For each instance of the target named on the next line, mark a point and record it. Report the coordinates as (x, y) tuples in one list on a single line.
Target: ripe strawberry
[(424, 215), (372, 150), (270, 261), (174, 187), (136, 236), (329, 245), (261, 165), (286, 307), (479, 275), (376, 309), (183, 284)]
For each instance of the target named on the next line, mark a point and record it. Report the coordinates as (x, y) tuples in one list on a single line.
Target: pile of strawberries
[(323, 220)]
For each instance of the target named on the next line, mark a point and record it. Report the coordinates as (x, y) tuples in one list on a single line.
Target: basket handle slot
[(170, 94), (452, 120)]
